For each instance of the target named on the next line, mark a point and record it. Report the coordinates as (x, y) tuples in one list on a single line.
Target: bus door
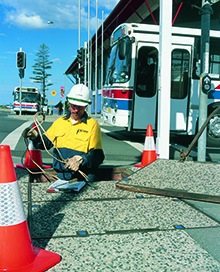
[(145, 95), (145, 98), (180, 86)]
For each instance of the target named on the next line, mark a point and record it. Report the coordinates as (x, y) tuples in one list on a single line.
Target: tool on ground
[(169, 193)]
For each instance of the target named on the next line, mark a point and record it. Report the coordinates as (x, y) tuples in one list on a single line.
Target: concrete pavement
[(103, 228), (106, 229)]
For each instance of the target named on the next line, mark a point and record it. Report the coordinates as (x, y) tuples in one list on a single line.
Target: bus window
[(179, 73), (214, 67), (214, 57), (147, 71), (215, 64), (30, 97), (119, 68)]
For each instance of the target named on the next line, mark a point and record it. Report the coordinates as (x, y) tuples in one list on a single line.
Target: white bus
[(130, 96), (30, 100)]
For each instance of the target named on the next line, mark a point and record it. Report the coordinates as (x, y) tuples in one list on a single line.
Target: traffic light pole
[(21, 75), (20, 94)]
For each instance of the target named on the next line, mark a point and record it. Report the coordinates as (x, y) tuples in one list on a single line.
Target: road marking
[(13, 138), (138, 146)]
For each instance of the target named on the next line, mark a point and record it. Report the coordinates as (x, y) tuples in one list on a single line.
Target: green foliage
[(42, 64)]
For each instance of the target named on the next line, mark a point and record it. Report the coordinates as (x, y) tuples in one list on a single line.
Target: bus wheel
[(213, 128)]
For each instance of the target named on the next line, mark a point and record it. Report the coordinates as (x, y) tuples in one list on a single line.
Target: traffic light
[(80, 56), (21, 73), (21, 60), (81, 74)]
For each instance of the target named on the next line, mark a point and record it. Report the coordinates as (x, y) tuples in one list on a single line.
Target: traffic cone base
[(149, 153), (147, 158), (43, 260), (16, 252)]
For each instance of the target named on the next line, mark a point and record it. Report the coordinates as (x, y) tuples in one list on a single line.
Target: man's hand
[(30, 133), (74, 163)]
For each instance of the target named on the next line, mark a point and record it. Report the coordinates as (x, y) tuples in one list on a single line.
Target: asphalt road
[(120, 147), (117, 151)]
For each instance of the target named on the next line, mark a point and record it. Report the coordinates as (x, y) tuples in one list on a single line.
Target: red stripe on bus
[(25, 105), (118, 93)]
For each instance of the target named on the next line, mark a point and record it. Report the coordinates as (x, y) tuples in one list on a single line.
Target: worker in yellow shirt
[(77, 138)]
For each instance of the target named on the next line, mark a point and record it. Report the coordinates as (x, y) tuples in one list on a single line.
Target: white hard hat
[(79, 95)]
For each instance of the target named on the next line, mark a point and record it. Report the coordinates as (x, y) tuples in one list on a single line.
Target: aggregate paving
[(152, 251), (102, 228), (101, 216), (189, 176)]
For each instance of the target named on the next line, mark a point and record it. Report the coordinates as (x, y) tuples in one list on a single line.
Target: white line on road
[(138, 146), (13, 138)]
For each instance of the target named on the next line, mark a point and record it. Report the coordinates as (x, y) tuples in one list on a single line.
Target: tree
[(42, 64)]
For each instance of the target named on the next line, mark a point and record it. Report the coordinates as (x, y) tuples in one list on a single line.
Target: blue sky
[(24, 24)]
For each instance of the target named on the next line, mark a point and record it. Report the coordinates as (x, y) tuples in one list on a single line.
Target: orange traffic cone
[(16, 252), (33, 155), (149, 153)]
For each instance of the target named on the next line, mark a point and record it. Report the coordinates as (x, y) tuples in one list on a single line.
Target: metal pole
[(96, 58), (79, 32), (29, 215), (64, 98), (102, 60), (89, 65), (20, 94), (20, 90), (164, 79), (85, 66), (206, 10), (79, 26)]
